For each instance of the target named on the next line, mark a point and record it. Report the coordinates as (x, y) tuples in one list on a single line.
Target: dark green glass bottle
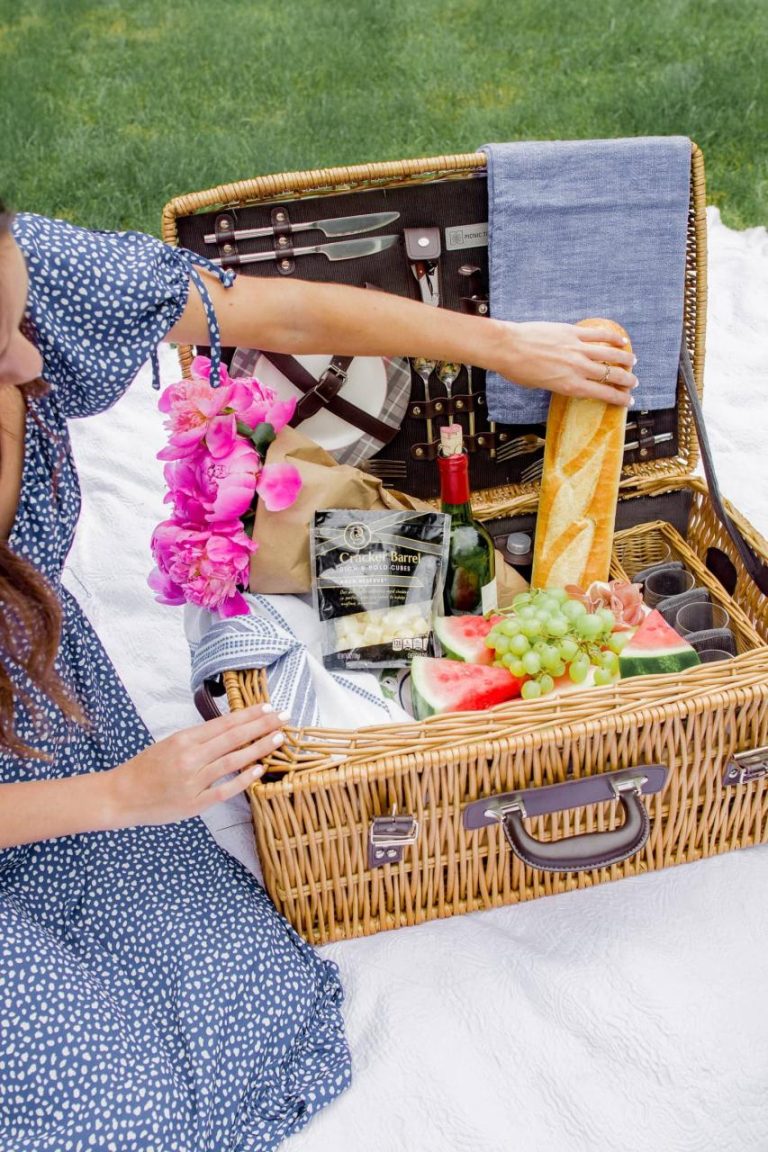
[(470, 585)]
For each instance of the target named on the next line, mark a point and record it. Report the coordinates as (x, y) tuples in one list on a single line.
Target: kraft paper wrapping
[(282, 562)]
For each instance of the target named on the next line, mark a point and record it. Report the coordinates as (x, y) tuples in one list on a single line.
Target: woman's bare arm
[(41, 809), (178, 777), (296, 316)]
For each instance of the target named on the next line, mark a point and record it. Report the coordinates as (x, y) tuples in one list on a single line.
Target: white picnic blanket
[(632, 1016)]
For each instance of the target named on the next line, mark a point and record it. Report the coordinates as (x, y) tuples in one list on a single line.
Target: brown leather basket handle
[(585, 852), (204, 698), (588, 850)]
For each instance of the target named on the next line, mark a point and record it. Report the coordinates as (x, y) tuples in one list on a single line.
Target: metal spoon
[(472, 426), (424, 369), (447, 374)]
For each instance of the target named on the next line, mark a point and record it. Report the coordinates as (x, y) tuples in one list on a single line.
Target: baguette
[(583, 456)]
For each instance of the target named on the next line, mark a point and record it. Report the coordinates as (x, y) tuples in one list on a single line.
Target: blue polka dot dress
[(151, 997)]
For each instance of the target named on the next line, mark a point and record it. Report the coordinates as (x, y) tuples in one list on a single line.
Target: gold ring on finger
[(606, 374)]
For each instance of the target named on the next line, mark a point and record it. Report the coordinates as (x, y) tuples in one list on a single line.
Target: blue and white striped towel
[(298, 682)]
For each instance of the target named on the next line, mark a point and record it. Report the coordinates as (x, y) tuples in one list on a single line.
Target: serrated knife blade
[(338, 226)]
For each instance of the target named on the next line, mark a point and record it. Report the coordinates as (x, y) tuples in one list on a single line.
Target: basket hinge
[(388, 837), (743, 767)]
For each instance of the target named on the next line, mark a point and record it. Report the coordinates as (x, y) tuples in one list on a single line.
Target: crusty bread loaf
[(579, 488)]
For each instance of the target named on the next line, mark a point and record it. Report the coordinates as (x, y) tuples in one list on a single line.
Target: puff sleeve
[(98, 304)]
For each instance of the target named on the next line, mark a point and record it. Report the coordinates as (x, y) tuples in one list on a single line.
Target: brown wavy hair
[(30, 622)]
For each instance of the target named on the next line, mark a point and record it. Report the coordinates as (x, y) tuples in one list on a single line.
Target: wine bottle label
[(489, 597)]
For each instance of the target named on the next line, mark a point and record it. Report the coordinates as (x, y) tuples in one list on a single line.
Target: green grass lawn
[(109, 109)]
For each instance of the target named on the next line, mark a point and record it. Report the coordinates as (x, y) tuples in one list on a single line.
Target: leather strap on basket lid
[(204, 698), (327, 387), (755, 567), (324, 393), (306, 383)]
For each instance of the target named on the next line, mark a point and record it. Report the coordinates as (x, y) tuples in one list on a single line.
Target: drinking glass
[(666, 582), (710, 655), (700, 617)]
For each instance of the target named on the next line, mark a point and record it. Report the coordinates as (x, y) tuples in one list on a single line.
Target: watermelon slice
[(440, 685), (463, 637), (655, 647)]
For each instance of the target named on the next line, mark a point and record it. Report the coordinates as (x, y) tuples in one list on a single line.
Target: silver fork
[(535, 470), (528, 442), (519, 446), (389, 469)]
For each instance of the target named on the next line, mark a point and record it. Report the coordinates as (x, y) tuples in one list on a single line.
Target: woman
[(151, 997)]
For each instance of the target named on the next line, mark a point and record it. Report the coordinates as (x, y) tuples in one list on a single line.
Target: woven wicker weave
[(313, 817)]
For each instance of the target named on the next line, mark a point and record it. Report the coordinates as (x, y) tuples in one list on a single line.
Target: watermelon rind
[(440, 685), (463, 637), (654, 665)]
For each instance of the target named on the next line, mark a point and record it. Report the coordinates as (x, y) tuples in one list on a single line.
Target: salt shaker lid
[(518, 543)]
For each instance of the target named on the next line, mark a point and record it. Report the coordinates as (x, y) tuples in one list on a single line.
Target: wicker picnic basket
[(378, 828)]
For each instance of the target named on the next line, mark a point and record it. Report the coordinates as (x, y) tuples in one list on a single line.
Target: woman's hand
[(569, 359), (195, 768)]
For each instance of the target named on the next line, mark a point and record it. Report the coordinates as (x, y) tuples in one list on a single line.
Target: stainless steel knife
[(339, 226), (341, 250)]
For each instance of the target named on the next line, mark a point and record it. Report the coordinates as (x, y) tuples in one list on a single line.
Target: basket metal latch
[(389, 836), (743, 767)]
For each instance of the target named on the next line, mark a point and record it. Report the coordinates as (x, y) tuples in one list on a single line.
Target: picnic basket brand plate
[(376, 828)]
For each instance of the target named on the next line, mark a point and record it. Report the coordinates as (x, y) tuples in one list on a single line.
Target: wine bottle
[(470, 584)]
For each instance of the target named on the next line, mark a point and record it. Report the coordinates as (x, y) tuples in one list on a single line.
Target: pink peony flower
[(166, 592), (255, 403), (184, 492), (202, 567), (196, 411), (201, 369), (203, 488), (278, 486), (214, 471)]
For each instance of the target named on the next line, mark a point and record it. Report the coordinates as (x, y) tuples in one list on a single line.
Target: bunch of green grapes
[(549, 634)]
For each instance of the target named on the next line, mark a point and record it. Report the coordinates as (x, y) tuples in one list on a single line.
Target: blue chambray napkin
[(581, 228), (298, 683)]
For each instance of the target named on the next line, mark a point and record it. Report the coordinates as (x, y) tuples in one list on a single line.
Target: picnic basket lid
[(317, 183)]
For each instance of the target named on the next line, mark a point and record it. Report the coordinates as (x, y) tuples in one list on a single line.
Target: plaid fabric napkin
[(581, 228), (395, 406)]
